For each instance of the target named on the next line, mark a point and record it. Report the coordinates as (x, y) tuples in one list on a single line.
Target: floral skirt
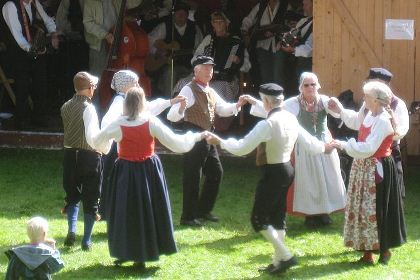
[(360, 225)]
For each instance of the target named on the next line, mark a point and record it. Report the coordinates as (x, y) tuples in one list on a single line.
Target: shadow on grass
[(307, 271), (99, 271)]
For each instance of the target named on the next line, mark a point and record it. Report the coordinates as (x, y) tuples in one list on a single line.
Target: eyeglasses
[(309, 85)]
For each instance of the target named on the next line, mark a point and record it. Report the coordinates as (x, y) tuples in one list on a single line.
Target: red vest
[(384, 149), (136, 144)]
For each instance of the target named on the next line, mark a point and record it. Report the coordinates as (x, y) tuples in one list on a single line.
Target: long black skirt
[(140, 221), (390, 208)]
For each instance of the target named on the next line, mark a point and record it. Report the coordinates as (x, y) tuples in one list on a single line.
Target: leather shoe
[(70, 239), (209, 217), (384, 259), (87, 247), (363, 261), (191, 223), (284, 265)]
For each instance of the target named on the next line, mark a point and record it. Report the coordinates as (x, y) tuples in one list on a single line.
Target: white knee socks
[(276, 238)]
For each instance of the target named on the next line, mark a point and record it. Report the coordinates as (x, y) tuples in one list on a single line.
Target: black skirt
[(139, 219), (389, 208)]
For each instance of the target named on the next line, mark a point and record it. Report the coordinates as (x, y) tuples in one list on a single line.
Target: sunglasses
[(309, 85)]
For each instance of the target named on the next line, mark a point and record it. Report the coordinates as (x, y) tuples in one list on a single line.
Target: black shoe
[(384, 259), (267, 268), (87, 247), (118, 262), (140, 266), (325, 220), (191, 223), (311, 221), (70, 239), (209, 217), (284, 265)]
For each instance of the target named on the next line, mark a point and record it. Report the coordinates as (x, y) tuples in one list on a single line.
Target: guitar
[(154, 62), (263, 32)]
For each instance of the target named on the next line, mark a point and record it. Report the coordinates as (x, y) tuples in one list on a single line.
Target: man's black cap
[(380, 73), (180, 5), (271, 89), (203, 59)]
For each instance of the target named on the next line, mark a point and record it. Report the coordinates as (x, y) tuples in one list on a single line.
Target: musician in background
[(178, 38), (271, 61), (28, 24), (99, 17), (152, 12), (74, 51), (302, 46)]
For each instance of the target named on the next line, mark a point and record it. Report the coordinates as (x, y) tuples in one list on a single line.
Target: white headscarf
[(122, 78)]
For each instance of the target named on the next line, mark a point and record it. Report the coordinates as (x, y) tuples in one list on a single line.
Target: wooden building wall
[(349, 39)]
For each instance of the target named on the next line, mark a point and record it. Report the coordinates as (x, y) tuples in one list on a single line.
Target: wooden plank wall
[(349, 39), (344, 51)]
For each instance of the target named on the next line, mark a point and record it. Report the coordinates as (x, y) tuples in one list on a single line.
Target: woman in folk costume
[(139, 223), (121, 82), (318, 187), (374, 219)]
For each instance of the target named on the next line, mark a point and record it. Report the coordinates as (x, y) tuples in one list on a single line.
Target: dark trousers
[(30, 76), (271, 196), (202, 159), (82, 178)]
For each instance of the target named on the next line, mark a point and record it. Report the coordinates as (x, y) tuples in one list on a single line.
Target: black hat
[(180, 5), (271, 89), (202, 59), (380, 73)]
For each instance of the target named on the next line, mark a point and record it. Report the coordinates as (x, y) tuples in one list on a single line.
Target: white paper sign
[(399, 29)]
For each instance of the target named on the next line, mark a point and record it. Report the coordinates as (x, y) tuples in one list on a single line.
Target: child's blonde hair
[(37, 229)]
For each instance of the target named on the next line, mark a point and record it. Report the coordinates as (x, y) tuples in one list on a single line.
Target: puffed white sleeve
[(103, 140), (258, 110), (380, 130), (309, 143), (402, 120), (174, 115), (225, 109), (158, 105), (292, 105), (250, 19), (324, 100), (353, 119), (178, 143), (260, 133), (91, 123)]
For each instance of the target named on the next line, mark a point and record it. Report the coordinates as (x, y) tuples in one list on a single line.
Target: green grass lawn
[(30, 184)]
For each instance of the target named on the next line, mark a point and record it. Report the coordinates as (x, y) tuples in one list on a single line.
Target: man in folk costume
[(275, 138), (399, 110), (28, 24), (270, 59), (202, 104), (82, 164)]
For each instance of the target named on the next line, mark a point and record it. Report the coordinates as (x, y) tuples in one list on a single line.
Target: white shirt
[(280, 132), (223, 109), (159, 33), (175, 142), (155, 107), (91, 122), (266, 18), (10, 15), (353, 119)]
